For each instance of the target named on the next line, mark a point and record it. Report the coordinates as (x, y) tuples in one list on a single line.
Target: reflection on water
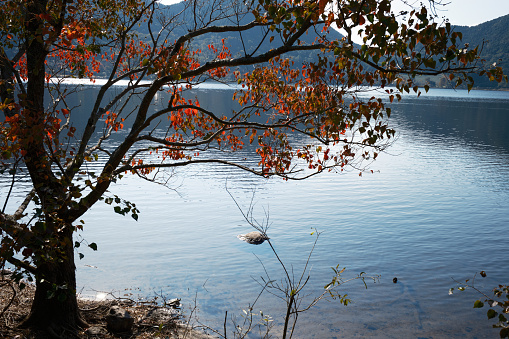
[(434, 209)]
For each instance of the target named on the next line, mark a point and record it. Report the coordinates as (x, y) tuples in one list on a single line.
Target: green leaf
[(393, 27), (81, 255), (478, 304), (135, 216), (77, 244), (492, 314), (118, 209), (40, 226), (6, 155), (93, 246)]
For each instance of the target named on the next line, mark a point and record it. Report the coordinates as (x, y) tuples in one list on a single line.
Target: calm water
[(434, 209)]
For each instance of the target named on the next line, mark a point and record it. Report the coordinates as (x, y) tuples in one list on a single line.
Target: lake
[(433, 210)]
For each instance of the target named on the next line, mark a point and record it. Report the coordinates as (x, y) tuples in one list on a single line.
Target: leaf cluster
[(498, 304)]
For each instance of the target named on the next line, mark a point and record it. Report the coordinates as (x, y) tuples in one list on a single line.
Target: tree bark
[(55, 308)]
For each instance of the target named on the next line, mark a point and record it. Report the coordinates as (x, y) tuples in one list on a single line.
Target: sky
[(459, 12), (471, 12)]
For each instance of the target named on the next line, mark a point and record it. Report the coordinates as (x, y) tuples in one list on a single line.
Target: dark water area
[(434, 210), (476, 122)]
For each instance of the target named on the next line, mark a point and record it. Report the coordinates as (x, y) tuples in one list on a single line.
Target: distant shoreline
[(230, 86)]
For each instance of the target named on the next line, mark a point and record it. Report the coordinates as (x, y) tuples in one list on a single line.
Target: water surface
[(434, 209)]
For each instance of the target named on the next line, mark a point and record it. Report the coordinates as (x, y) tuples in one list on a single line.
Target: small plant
[(498, 304), (290, 288)]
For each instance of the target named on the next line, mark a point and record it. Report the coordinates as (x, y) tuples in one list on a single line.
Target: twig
[(14, 294), (224, 324)]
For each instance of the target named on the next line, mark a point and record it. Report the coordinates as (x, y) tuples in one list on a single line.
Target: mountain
[(492, 37), (495, 35), (248, 42), (239, 44)]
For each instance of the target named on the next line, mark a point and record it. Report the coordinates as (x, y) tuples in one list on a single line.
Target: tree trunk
[(55, 308)]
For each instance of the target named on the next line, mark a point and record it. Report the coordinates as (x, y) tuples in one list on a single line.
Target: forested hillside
[(492, 36), (238, 44), (495, 35)]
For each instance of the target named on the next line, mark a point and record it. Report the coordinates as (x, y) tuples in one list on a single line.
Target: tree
[(154, 49)]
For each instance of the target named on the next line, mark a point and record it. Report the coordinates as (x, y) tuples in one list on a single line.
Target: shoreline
[(168, 322)]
